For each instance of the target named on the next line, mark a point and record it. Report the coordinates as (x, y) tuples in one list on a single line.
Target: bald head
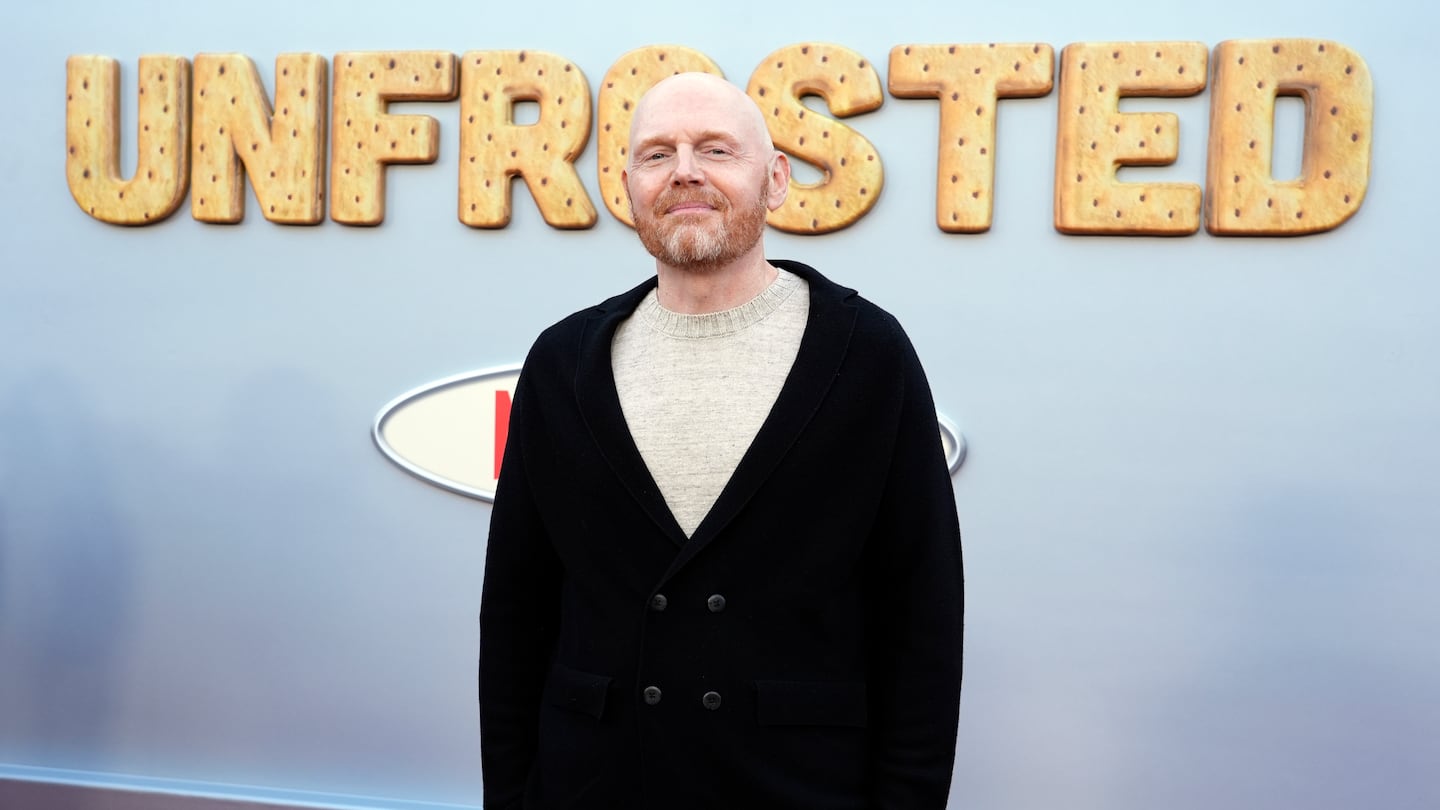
[(700, 99), (702, 175)]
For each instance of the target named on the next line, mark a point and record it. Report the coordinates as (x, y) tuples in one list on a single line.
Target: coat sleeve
[(916, 613), (519, 616)]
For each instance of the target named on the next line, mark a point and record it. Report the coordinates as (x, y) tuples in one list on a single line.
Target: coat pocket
[(811, 703), (577, 691)]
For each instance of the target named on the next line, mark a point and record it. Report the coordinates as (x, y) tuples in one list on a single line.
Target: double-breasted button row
[(710, 700), (715, 603)]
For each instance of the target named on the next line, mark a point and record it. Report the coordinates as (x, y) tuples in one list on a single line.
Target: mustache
[(672, 197)]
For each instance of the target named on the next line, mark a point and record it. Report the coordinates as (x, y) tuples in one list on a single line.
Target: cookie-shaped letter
[(366, 138), (493, 148), (1095, 139), (853, 176), (236, 132), (1242, 195), (92, 139), (969, 80)]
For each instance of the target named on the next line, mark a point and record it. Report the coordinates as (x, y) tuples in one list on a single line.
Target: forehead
[(698, 108)]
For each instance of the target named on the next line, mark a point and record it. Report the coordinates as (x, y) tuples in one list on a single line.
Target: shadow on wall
[(205, 590), (1306, 660), (66, 569)]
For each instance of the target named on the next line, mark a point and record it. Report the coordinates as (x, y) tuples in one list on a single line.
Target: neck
[(697, 290)]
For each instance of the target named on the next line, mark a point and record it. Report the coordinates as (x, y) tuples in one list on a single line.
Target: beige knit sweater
[(695, 388)]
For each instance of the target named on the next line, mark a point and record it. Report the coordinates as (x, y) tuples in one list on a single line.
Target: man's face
[(702, 174)]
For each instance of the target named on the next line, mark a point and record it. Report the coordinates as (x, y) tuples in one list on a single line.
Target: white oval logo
[(452, 432)]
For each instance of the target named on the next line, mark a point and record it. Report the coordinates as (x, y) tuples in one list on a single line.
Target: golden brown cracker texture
[(969, 80), (92, 138), (365, 138), (1095, 139), (493, 148), (853, 176), (1243, 197), (236, 131)]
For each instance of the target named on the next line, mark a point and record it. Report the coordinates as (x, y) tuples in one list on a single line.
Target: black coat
[(801, 650)]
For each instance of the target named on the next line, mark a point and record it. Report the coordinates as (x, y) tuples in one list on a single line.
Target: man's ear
[(625, 184), (779, 180)]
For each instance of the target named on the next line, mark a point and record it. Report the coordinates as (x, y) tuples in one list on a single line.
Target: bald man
[(724, 563)]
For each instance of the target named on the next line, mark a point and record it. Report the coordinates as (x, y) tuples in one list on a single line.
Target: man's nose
[(687, 169)]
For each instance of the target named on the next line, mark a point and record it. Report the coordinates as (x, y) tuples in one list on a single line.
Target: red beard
[(685, 242)]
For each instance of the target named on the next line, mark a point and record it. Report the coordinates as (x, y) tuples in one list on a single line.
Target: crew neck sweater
[(695, 389)]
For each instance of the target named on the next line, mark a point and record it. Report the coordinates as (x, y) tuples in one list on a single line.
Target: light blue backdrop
[(1199, 509)]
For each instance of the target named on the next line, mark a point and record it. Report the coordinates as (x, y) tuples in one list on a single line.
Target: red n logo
[(502, 426)]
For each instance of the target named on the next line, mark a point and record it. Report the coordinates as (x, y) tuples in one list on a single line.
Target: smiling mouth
[(690, 207)]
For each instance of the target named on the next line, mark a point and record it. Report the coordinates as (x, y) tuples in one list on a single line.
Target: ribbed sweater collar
[(717, 324)]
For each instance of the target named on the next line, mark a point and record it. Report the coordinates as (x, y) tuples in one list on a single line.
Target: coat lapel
[(822, 349), (599, 405)]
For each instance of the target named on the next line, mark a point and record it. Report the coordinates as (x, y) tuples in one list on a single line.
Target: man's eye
[(656, 156)]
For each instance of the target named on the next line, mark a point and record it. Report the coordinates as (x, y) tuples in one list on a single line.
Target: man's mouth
[(688, 201), (689, 207)]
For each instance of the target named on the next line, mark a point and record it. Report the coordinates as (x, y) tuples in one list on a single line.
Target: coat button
[(658, 602), (711, 700), (652, 695), (716, 603)]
